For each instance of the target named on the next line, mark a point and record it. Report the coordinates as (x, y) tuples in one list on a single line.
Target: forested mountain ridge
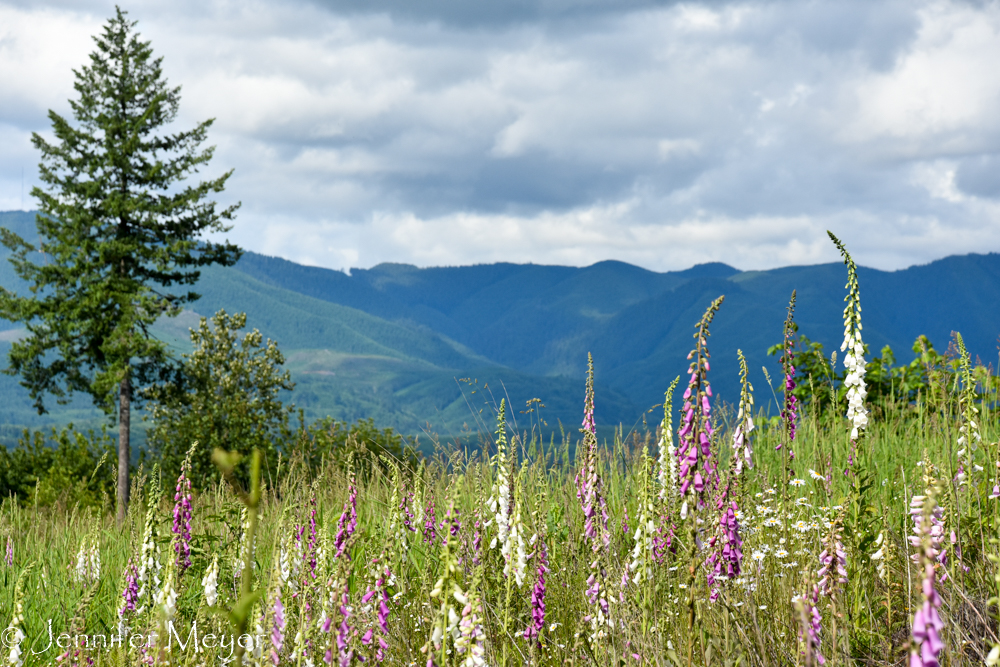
[(394, 341)]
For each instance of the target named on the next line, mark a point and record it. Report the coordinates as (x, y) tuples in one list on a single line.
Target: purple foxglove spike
[(278, 630), (182, 519), (348, 521)]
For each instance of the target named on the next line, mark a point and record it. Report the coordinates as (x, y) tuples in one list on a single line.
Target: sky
[(664, 134)]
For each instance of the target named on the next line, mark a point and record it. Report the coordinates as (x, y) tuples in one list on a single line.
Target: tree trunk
[(124, 451)]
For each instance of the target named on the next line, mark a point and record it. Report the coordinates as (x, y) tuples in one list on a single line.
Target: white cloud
[(661, 135), (944, 92)]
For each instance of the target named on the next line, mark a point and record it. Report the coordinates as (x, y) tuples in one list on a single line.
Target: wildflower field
[(842, 531)]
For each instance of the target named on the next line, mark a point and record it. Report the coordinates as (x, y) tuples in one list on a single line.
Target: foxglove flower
[(879, 557), (14, 634), (94, 561), (348, 521), (742, 442), (969, 436), (399, 520), (927, 624), (833, 561), (477, 541), (88, 562), (663, 540), (210, 582), (589, 485), (513, 551), (696, 426), (810, 625), (130, 597), (80, 569), (641, 565), (312, 546), (9, 555), (598, 617), (854, 359), (667, 472), (430, 532), (789, 413), (149, 553), (182, 517), (471, 641), (537, 623), (444, 594), (344, 651), (501, 496), (277, 628), (727, 558), (166, 600), (380, 577)]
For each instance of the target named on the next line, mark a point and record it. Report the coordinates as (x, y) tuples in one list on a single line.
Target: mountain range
[(436, 348)]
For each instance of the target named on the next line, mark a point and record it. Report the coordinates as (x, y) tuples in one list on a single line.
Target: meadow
[(851, 528)]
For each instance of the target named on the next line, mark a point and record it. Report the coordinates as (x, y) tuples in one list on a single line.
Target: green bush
[(71, 468), (228, 398)]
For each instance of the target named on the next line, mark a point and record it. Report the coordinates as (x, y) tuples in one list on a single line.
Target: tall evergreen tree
[(116, 232)]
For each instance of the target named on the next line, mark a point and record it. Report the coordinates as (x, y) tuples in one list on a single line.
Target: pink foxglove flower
[(130, 597), (537, 623), (598, 617), (182, 516), (313, 544), (789, 413), (727, 558), (377, 592), (811, 626), (589, 485), (833, 561), (696, 425), (348, 521), (278, 629), (928, 536), (430, 532), (344, 650), (477, 541)]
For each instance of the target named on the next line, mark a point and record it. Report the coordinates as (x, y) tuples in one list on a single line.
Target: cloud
[(552, 131)]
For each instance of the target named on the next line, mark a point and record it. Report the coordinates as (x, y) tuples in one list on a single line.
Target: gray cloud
[(491, 14), (658, 133), (979, 176)]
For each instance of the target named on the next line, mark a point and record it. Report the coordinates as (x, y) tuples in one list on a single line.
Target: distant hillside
[(393, 342), (544, 319), (346, 363)]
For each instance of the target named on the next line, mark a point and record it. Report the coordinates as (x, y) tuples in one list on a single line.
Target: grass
[(753, 622)]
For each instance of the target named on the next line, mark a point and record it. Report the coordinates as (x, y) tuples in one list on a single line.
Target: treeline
[(924, 382), (69, 467), (229, 399)]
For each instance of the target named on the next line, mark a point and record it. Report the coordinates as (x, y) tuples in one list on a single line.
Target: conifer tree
[(118, 235)]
